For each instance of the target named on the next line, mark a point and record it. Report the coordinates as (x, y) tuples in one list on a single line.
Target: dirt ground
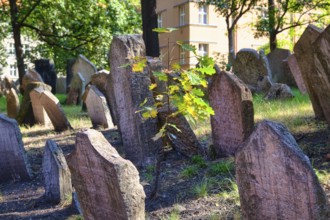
[(175, 196)]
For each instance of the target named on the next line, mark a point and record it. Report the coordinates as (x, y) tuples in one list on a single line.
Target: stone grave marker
[(107, 185), (69, 73), (77, 88), (279, 91), (56, 173), (126, 90), (277, 60), (12, 103), (31, 76), (54, 111), (304, 53), (233, 118), (253, 70), (46, 69), (39, 112), (275, 179), (13, 161), (321, 73), (97, 107), (85, 67), (61, 85), (295, 70)]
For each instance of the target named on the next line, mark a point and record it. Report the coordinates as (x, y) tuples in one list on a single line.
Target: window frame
[(182, 56), (203, 14), (204, 51), (159, 20), (182, 15)]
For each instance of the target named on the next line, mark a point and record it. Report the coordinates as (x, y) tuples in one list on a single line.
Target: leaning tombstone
[(279, 91), (275, 179), (303, 50), (293, 64), (30, 76), (85, 67), (12, 103), (100, 80), (56, 173), (107, 185), (54, 111), (126, 90), (77, 88), (39, 112), (97, 107), (233, 118), (69, 73), (13, 161), (46, 69), (253, 70)]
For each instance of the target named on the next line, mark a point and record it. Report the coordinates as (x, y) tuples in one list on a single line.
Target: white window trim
[(182, 57), (203, 49), (160, 20), (182, 15), (202, 14)]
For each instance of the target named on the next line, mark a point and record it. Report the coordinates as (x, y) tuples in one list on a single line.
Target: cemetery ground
[(197, 188)]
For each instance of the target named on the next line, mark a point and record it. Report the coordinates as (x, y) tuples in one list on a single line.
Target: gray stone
[(277, 60), (54, 111), (304, 53), (275, 179), (39, 112), (77, 88), (295, 70), (279, 91), (126, 90), (233, 118), (106, 184), (13, 161), (85, 67), (100, 80), (12, 103), (97, 107), (253, 70), (29, 77), (56, 173), (61, 85)]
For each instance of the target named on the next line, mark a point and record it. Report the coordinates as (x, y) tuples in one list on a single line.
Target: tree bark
[(149, 22), (271, 27), (231, 47), (17, 39)]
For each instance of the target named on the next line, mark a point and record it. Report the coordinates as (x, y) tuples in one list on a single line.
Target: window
[(202, 14), (182, 57), (159, 20), (13, 70), (26, 49), (203, 49), (11, 49), (182, 15)]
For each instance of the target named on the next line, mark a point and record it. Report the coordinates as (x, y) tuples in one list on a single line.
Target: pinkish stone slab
[(39, 112), (294, 67)]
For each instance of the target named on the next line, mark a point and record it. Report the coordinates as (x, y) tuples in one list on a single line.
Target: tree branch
[(29, 12)]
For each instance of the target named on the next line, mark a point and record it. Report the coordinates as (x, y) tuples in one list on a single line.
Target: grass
[(323, 176), (3, 104), (201, 189), (221, 168), (189, 172)]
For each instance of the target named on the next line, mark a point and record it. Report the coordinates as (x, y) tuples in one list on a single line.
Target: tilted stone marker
[(106, 184), (12, 103), (97, 107), (85, 67), (279, 91), (253, 70), (54, 111), (275, 179), (233, 118), (56, 173), (303, 50), (31, 76), (322, 71), (13, 161), (295, 70), (39, 112), (126, 90), (77, 88)]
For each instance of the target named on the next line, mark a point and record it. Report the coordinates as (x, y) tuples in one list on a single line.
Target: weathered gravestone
[(97, 107), (13, 161), (322, 71), (295, 70), (46, 69), (126, 90), (303, 50), (56, 173), (39, 112), (69, 73), (107, 185), (233, 118), (253, 70), (54, 111), (277, 60), (12, 103), (85, 67), (279, 91), (30, 76), (100, 80), (275, 179), (77, 88), (61, 85)]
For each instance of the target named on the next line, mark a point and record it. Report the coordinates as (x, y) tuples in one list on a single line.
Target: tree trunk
[(231, 47), (149, 22), (272, 40), (17, 39), (271, 27)]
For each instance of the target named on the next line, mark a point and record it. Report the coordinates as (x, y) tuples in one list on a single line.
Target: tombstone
[(321, 73), (13, 161), (61, 85), (278, 66), (100, 80), (303, 50), (39, 112), (275, 179), (97, 107), (295, 70), (253, 70), (233, 118), (25, 115), (29, 77), (69, 73), (126, 90), (279, 91), (107, 185), (54, 111), (46, 69), (85, 67), (12, 103), (56, 173), (77, 88)]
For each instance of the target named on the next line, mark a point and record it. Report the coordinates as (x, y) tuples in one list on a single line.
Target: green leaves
[(164, 30)]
